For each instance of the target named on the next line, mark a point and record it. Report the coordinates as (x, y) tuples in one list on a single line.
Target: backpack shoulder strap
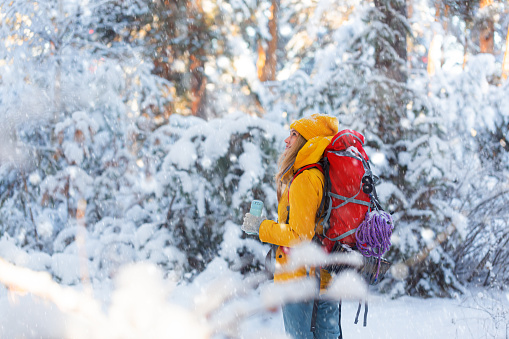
[(299, 171), (302, 169)]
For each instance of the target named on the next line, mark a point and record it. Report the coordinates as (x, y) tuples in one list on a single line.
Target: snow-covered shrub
[(473, 109), (199, 175), (70, 102)]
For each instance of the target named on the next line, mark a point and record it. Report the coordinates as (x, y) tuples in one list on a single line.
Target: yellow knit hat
[(316, 125)]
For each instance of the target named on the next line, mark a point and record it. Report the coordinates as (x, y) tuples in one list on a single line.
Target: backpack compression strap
[(355, 154)]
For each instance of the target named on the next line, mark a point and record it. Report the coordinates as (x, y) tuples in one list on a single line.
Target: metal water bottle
[(256, 208)]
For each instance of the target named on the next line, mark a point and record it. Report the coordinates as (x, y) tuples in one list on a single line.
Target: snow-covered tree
[(205, 49), (81, 102), (363, 79), (472, 106), (197, 180), (93, 164)]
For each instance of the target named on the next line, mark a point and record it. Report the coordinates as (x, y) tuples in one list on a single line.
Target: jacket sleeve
[(305, 198)]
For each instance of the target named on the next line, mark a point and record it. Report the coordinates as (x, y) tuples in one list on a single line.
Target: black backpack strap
[(270, 261), (315, 302), (339, 323), (313, 315), (326, 187), (365, 313)]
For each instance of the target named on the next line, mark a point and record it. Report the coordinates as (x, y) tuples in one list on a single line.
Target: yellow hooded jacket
[(304, 198)]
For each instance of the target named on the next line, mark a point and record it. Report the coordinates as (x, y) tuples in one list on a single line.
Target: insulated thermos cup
[(256, 208)]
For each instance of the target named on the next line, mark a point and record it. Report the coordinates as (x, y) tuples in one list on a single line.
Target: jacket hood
[(312, 151)]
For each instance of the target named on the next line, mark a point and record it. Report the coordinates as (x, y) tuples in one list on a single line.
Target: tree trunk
[(465, 50), (198, 85), (432, 52), (410, 43), (433, 46), (267, 60), (486, 36), (393, 70), (436, 55), (260, 63), (197, 59), (57, 94), (487, 32), (445, 27), (505, 64)]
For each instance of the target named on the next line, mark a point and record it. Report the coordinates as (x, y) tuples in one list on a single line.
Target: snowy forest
[(139, 132)]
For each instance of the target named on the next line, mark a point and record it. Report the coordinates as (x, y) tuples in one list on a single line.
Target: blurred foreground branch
[(139, 307), (423, 254), (41, 285)]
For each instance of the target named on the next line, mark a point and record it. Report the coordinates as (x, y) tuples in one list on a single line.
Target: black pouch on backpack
[(369, 267)]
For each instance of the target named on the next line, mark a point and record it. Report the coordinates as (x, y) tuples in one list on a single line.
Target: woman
[(297, 219)]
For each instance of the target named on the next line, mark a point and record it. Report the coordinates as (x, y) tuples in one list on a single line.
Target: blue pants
[(297, 320)]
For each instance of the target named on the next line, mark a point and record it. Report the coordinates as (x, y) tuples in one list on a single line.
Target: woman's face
[(292, 138)]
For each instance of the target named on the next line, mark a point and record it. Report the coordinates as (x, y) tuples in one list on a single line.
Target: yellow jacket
[(304, 200)]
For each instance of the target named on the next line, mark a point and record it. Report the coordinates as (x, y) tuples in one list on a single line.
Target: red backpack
[(350, 204)]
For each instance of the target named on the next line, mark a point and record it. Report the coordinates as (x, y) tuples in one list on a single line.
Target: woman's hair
[(285, 161)]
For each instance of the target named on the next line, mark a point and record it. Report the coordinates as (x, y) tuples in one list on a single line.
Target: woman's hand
[(251, 224)]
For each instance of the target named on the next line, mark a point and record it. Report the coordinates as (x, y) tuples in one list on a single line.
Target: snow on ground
[(470, 316), (137, 306), (220, 303)]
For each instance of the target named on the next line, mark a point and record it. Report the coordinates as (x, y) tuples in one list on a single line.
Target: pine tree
[(82, 100), (202, 180), (366, 84), (204, 50)]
